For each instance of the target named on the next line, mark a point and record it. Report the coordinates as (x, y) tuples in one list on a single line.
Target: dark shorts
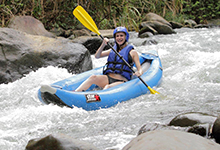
[(112, 80)]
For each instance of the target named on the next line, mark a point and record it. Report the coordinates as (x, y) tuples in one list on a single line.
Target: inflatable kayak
[(62, 92)]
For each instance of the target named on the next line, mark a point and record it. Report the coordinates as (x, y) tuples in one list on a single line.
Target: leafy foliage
[(107, 13), (201, 10)]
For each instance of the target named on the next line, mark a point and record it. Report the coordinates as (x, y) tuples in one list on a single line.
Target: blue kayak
[(62, 92)]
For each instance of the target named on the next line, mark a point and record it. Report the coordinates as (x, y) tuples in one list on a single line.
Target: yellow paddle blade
[(152, 91), (85, 19)]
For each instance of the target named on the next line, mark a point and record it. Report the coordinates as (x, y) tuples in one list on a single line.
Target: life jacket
[(117, 65)]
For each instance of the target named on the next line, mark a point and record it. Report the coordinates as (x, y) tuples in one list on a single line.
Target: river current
[(191, 83)]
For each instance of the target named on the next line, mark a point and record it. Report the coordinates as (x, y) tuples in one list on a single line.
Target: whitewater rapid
[(191, 83)]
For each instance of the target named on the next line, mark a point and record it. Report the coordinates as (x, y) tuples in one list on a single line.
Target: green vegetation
[(201, 10), (108, 13)]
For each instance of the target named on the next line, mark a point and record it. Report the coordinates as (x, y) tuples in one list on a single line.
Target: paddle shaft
[(124, 61)]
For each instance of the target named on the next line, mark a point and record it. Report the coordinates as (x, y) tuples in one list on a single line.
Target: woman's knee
[(93, 78)]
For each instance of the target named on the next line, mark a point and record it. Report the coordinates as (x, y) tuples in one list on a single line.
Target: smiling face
[(120, 37)]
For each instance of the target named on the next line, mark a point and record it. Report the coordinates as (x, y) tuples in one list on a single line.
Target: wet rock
[(153, 126), (145, 35), (30, 25), (78, 33), (170, 139), (159, 27), (58, 31), (176, 25), (201, 26), (22, 53), (216, 130), (58, 142), (150, 42), (200, 129), (191, 23), (146, 29), (190, 119), (155, 24), (91, 43), (154, 17)]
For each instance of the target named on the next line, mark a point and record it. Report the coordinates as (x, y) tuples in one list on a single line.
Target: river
[(191, 83)]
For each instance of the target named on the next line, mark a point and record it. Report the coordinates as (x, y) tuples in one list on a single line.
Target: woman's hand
[(100, 53), (105, 41), (136, 60), (138, 73)]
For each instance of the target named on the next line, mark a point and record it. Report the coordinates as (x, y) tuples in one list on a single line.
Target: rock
[(197, 123), (154, 17), (153, 126), (30, 25), (213, 23), (200, 129), (145, 35), (159, 27), (145, 28), (22, 53), (79, 33), (58, 31), (91, 43), (58, 142), (155, 24), (201, 26), (191, 23), (190, 119), (176, 25), (170, 140), (216, 130), (149, 42), (105, 33), (80, 39)]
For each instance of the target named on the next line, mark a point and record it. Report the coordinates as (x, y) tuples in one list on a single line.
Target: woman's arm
[(136, 60), (100, 53)]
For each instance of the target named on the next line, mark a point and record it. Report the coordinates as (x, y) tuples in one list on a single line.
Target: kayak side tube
[(61, 93)]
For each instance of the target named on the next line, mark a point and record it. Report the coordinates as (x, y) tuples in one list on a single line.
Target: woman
[(117, 71)]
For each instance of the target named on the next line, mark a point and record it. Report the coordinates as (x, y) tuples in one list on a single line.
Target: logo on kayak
[(92, 98)]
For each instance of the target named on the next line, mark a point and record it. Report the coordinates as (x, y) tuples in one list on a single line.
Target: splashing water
[(191, 83)]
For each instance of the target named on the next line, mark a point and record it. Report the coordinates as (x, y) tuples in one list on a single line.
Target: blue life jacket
[(117, 65)]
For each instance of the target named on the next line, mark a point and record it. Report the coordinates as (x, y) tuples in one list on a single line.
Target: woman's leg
[(112, 84), (100, 80)]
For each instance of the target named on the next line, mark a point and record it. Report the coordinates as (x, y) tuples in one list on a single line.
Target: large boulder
[(93, 42), (192, 118), (170, 140), (154, 17), (30, 25), (21, 53), (59, 142), (176, 25), (216, 130), (155, 24), (193, 122)]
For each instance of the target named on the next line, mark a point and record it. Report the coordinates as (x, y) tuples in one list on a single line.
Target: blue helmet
[(121, 29)]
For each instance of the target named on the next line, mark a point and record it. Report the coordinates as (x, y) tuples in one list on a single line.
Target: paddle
[(88, 22)]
